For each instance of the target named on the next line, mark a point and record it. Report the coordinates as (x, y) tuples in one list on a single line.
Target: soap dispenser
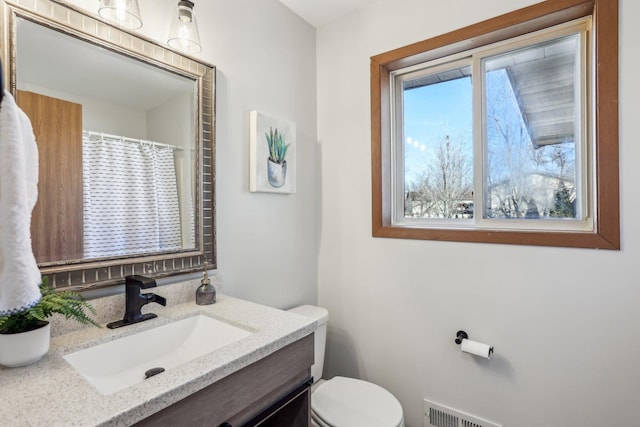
[(206, 293)]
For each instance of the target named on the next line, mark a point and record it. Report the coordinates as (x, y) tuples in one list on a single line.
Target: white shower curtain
[(130, 198)]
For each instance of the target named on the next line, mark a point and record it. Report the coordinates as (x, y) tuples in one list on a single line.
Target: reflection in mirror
[(132, 176), (124, 129)]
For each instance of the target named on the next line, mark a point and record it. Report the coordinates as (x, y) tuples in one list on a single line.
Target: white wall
[(563, 321), (100, 116), (265, 58), (267, 243)]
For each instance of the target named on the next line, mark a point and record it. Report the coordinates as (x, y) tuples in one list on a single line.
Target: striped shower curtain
[(130, 201)]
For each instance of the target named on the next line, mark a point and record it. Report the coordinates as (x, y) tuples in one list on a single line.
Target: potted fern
[(24, 337), (276, 163)]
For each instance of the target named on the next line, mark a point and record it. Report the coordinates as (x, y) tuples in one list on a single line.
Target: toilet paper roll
[(476, 348)]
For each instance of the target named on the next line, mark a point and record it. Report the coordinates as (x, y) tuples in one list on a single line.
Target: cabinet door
[(293, 410), (243, 396), (56, 222)]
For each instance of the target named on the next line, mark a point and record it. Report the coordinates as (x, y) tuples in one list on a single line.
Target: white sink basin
[(121, 363)]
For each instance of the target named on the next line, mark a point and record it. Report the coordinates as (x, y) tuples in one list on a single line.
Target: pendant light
[(183, 34), (125, 13)]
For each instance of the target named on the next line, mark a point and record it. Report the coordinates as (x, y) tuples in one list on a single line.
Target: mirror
[(133, 162), (124, 128)]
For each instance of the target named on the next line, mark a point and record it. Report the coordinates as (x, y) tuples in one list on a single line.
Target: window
[(524, 118), (501, 132)]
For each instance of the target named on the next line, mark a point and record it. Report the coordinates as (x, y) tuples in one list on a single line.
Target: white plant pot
[(24, 348), (277, 173)]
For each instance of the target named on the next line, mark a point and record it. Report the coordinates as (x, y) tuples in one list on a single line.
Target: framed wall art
[(272, 163)]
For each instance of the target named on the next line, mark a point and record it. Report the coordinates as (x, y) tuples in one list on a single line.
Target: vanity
[(261, 378)]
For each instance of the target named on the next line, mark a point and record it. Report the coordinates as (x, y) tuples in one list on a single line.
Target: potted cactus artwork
[(277, 161), (272, 154)]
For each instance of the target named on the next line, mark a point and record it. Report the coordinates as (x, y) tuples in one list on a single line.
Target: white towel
[(19, 274)]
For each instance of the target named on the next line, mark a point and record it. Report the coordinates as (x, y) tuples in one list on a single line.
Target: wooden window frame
[(606, 233)]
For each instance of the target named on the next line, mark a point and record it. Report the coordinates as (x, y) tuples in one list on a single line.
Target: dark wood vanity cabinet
[(274, 391)]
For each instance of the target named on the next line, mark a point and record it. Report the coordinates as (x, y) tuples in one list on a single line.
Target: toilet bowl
[(342, 401)]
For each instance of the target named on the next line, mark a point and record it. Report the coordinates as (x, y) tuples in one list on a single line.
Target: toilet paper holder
[(485, 350)]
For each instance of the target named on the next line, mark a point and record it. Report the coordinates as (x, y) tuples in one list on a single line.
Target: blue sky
[(432, 112)]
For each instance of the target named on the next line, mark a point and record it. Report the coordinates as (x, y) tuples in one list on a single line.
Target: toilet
[(341, 401)]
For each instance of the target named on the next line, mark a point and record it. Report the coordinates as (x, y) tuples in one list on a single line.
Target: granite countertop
[(51, 393)]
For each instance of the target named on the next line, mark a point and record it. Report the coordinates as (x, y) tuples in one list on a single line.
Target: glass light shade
[(183, 34), (125, 13)]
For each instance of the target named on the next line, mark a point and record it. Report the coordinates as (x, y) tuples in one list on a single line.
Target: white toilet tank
[(321, 315)]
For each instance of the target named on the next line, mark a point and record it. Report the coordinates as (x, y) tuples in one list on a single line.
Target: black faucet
[(135, 300)]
